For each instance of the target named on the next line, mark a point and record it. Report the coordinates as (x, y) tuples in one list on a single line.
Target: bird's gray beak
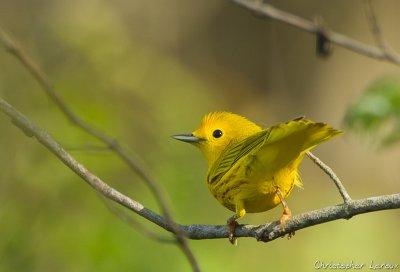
[(188, 138)]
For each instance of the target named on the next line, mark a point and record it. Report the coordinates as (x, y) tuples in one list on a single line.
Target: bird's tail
[(298, 136), (309, 134), (286, 144), (315, 133)]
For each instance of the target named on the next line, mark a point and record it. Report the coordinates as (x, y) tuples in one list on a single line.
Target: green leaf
[(377, 112)]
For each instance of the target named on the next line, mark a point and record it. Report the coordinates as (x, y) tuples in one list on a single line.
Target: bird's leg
[(231, 222), (287, 214)]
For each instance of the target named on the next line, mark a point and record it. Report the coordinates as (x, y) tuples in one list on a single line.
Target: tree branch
[(351, 44), (127, 157), (342, 190), (373, 24), (129, 220), (376, 31), (266, 232), (87, 148), (271, 231)]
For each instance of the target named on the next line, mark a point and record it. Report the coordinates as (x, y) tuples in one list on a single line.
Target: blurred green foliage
[(377, 111)]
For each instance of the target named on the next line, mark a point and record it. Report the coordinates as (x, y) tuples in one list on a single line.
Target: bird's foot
[(290, 235), (231, 223), (286, 216)]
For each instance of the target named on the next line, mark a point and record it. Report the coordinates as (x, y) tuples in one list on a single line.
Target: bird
[(253, 169)]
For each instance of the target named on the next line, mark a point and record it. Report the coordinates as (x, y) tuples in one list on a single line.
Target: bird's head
[(218, 130)]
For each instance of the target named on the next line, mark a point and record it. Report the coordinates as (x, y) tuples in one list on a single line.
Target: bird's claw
[(283, 220), (286, 216), (231, 223), (290, 235)]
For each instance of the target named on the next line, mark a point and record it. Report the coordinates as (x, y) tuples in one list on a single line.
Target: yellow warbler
[(251, 169)]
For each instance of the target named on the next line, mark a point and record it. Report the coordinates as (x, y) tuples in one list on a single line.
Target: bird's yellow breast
[(258, 194)]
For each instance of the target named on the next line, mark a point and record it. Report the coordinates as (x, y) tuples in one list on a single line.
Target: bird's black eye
[(217, 133)]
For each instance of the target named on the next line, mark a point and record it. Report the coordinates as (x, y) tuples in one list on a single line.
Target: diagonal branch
[(266, 232), (374, 26), (271, 231), (133, 223), (269, 11), (342, 190), (132, 161), (376, 30)]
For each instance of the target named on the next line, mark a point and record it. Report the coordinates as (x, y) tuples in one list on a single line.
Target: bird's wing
[(233, 153), (271, 149), (286, 144)]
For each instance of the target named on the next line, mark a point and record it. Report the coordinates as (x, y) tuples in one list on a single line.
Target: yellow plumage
[(251, 169)]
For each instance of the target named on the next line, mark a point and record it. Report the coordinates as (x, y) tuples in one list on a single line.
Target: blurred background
[(144, 70)]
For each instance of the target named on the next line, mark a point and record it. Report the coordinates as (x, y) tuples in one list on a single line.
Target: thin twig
[(266, 232), (129, 220), (87, 148), (132, 161), (267, 10), (374, 26), (342, 190), (376, 31)]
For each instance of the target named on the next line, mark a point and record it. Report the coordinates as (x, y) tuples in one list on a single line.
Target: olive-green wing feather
[(272, 148), (286, 146), (235, 152)]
